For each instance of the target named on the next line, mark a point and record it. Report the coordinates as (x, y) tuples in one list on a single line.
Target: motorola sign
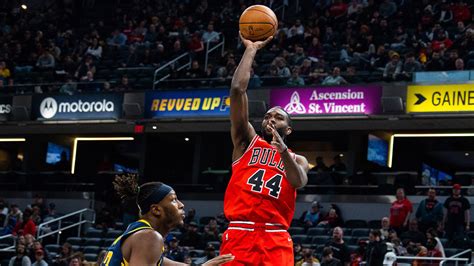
[(78, 107)]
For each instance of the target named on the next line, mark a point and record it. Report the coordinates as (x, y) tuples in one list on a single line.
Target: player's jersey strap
[(114, 256), (255, 138)]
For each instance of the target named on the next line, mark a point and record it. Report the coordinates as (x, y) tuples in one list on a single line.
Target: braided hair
[(127, 188)]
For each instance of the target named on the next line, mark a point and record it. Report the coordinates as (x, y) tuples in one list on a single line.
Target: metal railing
[(209, 50), (171, 64), (45, 230), (455, 256), (451, 259), (10, 247)]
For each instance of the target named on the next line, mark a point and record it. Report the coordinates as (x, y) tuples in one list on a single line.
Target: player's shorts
[(257, 244)]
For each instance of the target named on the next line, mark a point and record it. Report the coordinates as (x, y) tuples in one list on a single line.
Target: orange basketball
[(257, 23)]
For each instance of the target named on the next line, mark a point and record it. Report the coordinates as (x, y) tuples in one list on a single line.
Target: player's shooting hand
[(219, 260), (277, 141), (257, 44)]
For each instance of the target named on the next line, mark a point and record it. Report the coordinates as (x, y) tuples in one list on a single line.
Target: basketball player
[(260, 198), (142, 242)]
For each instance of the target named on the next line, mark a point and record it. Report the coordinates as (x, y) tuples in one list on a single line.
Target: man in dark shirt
[(413, 234), (339, 248), (376, 249), (456, 214), (429, 212)]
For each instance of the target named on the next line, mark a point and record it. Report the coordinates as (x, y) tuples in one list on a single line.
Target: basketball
[(257, 23)]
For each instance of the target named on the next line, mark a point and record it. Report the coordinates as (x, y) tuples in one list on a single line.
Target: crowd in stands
[(321, 237), (329, 42)]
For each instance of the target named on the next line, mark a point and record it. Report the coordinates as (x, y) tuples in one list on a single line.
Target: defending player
[(260, 197), (142, 243)]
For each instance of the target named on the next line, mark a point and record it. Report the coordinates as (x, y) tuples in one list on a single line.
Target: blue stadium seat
[(196, 253), (76, 248), (320, 240), (52, 248), (360, 232), (113, 233), (93, 242), (317, 231), (296, 230), (347, 240), (75, 241), (356, 224), (90, 257), (295, 223), (94, 233), (374, 224), (91, 249), (451, 251), (301, 239), (352, 248)]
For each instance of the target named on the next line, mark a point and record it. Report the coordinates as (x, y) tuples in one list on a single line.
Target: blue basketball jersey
[(114, 256)]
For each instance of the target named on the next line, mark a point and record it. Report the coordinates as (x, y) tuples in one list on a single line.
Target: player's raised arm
[(241, 130)]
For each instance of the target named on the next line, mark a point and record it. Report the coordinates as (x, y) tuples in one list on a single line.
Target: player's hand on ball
[(277, 141), (219, 260), (257, 44)]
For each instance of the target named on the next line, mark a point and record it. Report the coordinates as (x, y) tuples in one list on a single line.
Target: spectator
[(387, 8), (196, 46), (335, 78), (385, 230), (313, 216), (456, 214), (295, 79), (444, 16), (410, 66), (339, 248), (433, 243), (210, 35), (124, 85), (118, 39), (338, 165), (27, 226), (308, 259), (400, 211), (255, 82), (195, 72), (320, 165), (69, 88), (398, 248), (327, 258), (64, 256), (298, 56), (20, 257), (297, 252), (423, 252), (331, 220), (45, 61), (39, 258), (351, 75), (429, 212), (211, 231), (4, 72), (210, 253), (191, 216), (282, 70), (459, 64), (393, 68), (376, 249), (192, 238), (413, 234), (436, 63), (175, 252), (94, 49), (314, 50), (86, 66)]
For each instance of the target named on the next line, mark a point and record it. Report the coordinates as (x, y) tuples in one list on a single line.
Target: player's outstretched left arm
[(296, 168), (213, 262)]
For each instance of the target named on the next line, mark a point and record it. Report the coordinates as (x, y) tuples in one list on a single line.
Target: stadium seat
[(347, 240), (301, 239), (205, 220), (296, 230), (8, 241), (4, 246), (196, 253), (90, 257), (52, 248), (317, 231), (356, 224), (320, 240), (215, 244), (75, 241), (360, 232), (297, 223), (76, 248), (452, 251), (91, 249), (93, 242), (94, 233), (108, 242), (113, 233), (176, 234), (374, 224), (352, 248)]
